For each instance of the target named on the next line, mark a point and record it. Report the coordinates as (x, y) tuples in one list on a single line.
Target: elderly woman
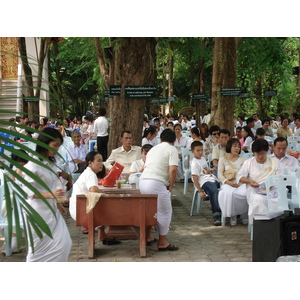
[(88, 182), (254, 173), (232, 196), (158, 178), (284, 130)]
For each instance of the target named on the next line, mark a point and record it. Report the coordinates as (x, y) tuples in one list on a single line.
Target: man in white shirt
[(76, 152), (297, 126), (257, 121), (279, 152), (126, 154), (101, 130), (185, 123)]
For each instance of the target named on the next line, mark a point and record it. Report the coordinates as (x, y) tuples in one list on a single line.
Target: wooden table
[(118, 207)]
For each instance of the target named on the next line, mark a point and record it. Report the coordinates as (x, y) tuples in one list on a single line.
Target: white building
[(12, 81)]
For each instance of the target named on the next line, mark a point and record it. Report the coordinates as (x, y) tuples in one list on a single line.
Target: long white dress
[(47, 249), (256, 197), (232, 201)]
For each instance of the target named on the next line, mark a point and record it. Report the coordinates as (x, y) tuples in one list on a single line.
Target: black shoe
[(111, 241), (217, 221)]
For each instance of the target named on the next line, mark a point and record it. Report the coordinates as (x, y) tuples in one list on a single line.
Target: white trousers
[(164, 206)]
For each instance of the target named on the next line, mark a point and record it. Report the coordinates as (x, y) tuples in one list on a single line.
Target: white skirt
[(233, 201)]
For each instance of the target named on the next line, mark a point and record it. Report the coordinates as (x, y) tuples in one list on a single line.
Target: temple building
[(12, 80)]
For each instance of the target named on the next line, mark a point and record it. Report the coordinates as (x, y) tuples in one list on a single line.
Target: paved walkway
[(197, 238)]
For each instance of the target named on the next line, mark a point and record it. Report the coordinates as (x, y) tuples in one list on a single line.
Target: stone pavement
[(197, 238)]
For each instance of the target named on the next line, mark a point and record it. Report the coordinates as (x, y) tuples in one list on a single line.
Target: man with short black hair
[(220, 149), (279, 152), (251, 123), (257, 121), (126, 154), (101, 130)]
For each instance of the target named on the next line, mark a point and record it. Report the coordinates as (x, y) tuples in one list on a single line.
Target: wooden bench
[(117, 208)]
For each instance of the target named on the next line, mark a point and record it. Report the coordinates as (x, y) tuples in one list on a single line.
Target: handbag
[(231, 173)]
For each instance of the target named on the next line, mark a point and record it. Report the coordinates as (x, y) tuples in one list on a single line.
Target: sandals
[(85, 230), (168, 248), (150, 242)]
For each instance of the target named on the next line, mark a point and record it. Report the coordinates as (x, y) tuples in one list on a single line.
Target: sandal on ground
[(168, 248), (85, 230), (149, 243), (111, 241)]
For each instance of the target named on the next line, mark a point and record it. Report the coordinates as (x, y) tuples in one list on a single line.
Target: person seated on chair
[(232, 196), (126, 154), (204, 181), (88, 182), (248, 138), (76, 153), (279, 153), (137, 167), (254, 173), (220, 149)]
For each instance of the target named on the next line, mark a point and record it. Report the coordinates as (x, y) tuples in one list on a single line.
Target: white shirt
[(101, 126), (297, 131), (248, 143), (75, 152), (124, 158), (186, 125), (286, 161), (82, 186), (181, 143), (137, 165), (158, 160), (153, 142), (197, 167), (257, 124)]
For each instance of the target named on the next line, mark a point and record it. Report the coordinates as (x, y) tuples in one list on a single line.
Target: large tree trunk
[(171, 90), (200, 105), (33, 107), (224, 76), (258, 94), (134, 64)]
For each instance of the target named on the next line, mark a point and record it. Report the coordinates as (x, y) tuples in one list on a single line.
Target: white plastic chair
[(196, 197), (186, 154), (209, 159), (292, 145), (293, 138), (247, 155), (269, 139), (281, 182)]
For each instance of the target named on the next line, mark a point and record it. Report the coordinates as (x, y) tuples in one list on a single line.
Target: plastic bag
[(110, 179)]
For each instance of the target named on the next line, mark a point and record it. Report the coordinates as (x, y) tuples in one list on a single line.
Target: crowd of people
[(220, 170)]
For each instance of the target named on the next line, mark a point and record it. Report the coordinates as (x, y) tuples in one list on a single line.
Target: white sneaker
[(245, 221), (233, 221)]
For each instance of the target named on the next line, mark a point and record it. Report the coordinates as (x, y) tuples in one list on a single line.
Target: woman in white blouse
[(149, 136), (254, 173), (88, 182), (232, 196), (248, 138)]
